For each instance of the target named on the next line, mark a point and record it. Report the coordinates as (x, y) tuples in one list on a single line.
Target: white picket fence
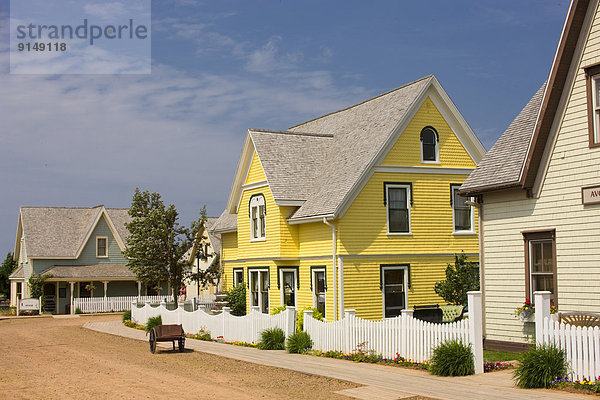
[(106, 304), (580, 344), (404, 335), (224, 325)]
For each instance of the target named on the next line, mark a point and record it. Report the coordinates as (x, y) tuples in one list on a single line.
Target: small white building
[(203, 255), (538, 191)]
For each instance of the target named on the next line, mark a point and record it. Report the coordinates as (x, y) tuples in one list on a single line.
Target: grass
[(493, 355)]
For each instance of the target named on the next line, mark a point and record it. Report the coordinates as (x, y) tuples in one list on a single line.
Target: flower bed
[(584, 385), (361, 356), (490, 366)]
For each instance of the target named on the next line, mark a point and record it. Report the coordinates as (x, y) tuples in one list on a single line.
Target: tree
[(460, 278), (8, 266), (157, 242), (36, 285)]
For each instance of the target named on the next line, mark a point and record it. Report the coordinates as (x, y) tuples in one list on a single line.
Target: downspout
[(334, 259)]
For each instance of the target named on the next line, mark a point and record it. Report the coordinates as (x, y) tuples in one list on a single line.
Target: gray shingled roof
[(97, 271), (214, 240), (501, 166), (225, 222), (358, 134), (17, 273), (290, 168), (60, 231)]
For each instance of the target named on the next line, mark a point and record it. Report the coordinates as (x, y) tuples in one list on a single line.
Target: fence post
[(348, 316), (542, 310), (226, 312), (307, 319), (290, 323), (134, 310), (476, 328), (40, 305), (406, 314)]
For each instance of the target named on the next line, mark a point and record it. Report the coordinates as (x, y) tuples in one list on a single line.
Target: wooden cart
[(167, 333)]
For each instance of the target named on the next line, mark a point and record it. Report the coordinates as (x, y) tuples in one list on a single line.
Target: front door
[(394, 291), (49, 298)]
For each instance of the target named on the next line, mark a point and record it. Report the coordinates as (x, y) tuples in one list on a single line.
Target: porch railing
[(108, 304)]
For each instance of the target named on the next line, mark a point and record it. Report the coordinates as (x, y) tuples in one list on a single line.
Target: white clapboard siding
[(224, 326)]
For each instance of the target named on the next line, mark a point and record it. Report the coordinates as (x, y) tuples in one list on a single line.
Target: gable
[(88, 253), (256, 172), (407, 149)]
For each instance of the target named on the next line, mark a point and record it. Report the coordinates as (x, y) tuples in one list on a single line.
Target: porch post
[(139, 283), (72, 289), (105, 287)]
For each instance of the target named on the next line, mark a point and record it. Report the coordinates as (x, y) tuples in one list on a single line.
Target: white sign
[(590, 195), (29, 304)]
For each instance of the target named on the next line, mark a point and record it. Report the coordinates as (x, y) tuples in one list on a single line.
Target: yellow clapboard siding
[(256, 172), (270, 246), (363, 229), (407, 150)]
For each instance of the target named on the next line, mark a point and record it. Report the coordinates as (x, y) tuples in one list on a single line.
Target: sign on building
[(29, 304), (590, 195)]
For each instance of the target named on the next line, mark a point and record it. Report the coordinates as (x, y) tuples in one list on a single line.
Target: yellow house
[(356, 209)]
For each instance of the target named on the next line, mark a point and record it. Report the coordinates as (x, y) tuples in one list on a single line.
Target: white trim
[(456, 187), (254, 185), (295, 285), (306, 220), (105, 246), (111, 226), (256, 202), (596, 107), (241, 174), (290, 203), (461, 130), (219, 231), (313, 283), (387, 207), (404, 283), (235, 272), (258, 276), (437, 146), (420, 169)]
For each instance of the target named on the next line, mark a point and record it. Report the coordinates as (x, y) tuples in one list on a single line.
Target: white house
[(538, 191)]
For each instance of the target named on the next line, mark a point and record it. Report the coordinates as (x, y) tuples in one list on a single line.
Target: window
[(592, 82), (238, 276), (288, 283), (319, 287), (429, 145), (257, 217), (540, 263), (85, 289), (393, 287), (101, 242), (259, 289), (19, 290), (398, 199), (462, 214)]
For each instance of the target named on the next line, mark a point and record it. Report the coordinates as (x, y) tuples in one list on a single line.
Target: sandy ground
[(48, 358)]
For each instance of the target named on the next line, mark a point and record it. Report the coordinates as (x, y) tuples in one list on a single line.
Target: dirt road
[(47, 358)]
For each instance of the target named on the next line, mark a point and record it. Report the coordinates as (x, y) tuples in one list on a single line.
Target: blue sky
[(221, 67)]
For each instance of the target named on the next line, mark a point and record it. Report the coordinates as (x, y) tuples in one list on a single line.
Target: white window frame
[(393, 267), (256, 202), (313, 280), (295, 286), (237, 271), (387, 207), (531, 243), (437, 147), (259, 271), (596, 108), (453, 188), (105, 247)]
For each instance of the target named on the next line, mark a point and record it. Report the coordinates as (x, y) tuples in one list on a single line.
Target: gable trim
[(452, 116), (88, 235), (419, 169), (559, 72)]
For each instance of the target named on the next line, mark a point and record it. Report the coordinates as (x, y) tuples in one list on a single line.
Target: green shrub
[(452, 358), (300, 318), (236, 300), (78, 311), (278, 310), (540, 366), (272, 339), (298, 342), (126, 315), (152, 322)]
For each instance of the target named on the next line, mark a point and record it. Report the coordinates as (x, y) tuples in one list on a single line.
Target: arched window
[(257, 217), (429, 145)]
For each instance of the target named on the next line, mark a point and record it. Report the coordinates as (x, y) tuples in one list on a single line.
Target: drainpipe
[(341, 281), (334, 259)]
